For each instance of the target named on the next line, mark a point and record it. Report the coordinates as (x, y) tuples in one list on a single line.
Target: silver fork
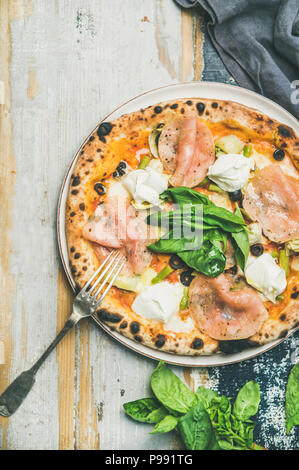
[(85, 304)]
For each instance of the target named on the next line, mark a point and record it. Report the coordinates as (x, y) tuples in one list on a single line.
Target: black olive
[(176, 262), (100, 189), (121, 172), (186, 277), (200, 107), (279, 155), (104, 129), (235, 195), (295, 295), (115, 174), (121, 166), (257, 249)]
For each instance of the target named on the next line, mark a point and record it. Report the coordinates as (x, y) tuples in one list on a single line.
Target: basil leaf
[(208, 260), (247, 401), (292, 399), (195, 428), (168, 244), (171, 391), (240, 242), (182, 195), (222, 218), (145, 410), (167, 424), (207, 397)]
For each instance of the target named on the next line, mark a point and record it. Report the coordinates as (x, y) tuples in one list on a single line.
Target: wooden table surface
[(63, 66)]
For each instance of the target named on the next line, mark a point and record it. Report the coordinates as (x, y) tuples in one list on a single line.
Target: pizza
[(201, 196)]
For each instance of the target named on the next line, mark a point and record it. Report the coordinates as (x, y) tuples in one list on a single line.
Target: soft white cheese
[(231, 172), (177, 325), (117, 188), (159, 301), (145, 185), (266, 276)]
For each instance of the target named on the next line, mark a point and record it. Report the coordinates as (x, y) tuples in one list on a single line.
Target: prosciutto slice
[(272, 199), (118, 225), (222, 313), (186, 149)]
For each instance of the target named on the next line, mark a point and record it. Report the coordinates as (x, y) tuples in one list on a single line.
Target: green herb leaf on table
[(292, 399), (145, 410), (247, 401), (171, 391), (195, 428), (167, 424)]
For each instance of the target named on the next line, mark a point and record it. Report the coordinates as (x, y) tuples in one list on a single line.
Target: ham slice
[(222, 313), (272, 199), (116, 224), (186, 149)]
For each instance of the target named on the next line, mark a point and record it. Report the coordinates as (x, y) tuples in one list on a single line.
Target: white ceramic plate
[(182, 90)]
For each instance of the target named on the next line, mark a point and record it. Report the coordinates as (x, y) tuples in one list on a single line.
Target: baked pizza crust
[(92, 157)]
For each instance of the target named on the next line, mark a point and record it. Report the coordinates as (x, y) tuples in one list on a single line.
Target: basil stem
[(284, 261), (144, 162), (247, 150), (162, 274), (184, 301), (215, 188)]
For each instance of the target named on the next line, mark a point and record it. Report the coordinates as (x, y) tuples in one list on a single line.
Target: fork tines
[(107, 272)]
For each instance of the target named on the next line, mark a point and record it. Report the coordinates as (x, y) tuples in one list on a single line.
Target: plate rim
[(114, 334)]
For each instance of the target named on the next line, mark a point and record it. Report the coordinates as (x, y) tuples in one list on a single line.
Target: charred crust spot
[(295, 295), (283, 333), (105, 315), (284, 145), (283, 131), (231, 347), (174, 106), (82, 151), (123, 325), (160, 341), (91, 138), (200, 108), (197, 343), (82, 206), (259, 117), (215, 105), (72, 214), (182, 110), (75, 191), (89, 160), (158, 109), (72, 249), (84, 268), (282, 317), (102, 138), (73, 269), (189, 103), (77, 255), (76, 181), (134, 327), (138, 338)]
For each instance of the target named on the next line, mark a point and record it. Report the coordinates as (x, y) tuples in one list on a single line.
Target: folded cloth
[(258, 42)]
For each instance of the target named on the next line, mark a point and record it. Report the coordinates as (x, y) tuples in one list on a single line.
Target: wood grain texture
[(64, 66)]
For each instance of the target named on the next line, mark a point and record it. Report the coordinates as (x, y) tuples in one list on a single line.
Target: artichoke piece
[(229, 144), (292, 245), (135, 283), (255, 235), (153, 140)]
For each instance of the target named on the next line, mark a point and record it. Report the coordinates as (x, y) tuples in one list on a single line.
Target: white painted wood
[(80, 59)]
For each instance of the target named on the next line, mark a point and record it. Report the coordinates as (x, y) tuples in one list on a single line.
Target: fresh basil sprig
[(212, 226), (292, 399), (204, 420)]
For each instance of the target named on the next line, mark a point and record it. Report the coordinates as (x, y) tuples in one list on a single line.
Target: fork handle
[(16, 392)]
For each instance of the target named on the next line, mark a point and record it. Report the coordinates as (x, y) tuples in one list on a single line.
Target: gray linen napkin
[(258, 42)]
